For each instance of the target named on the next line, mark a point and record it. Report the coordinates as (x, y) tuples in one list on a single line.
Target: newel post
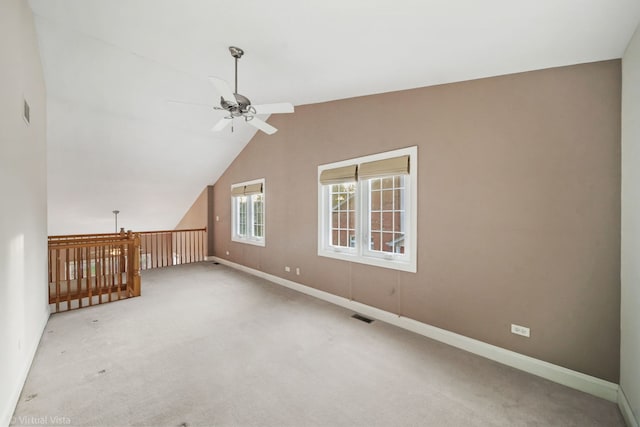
[(136, 265)]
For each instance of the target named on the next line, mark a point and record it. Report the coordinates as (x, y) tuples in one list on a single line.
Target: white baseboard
[(626, 410), (9, 409), (577, 380)]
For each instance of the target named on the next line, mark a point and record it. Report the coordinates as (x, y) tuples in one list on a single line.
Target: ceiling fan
[(239, 106)]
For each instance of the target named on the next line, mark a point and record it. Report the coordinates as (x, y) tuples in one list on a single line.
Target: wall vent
[(362, 318), (26, 112)]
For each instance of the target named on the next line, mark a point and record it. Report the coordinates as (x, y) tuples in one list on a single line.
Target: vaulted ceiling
[(111, 66)]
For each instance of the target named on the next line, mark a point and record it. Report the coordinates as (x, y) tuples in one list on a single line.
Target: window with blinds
[(367, 209)]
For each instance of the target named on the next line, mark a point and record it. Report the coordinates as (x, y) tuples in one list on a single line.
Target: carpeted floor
[(207, 345)]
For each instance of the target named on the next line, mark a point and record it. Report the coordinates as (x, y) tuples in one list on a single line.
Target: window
[(368, 209), (247, 205)]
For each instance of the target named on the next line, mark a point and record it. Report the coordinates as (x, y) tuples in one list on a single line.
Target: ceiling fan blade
[(223, 89), (282, 107), (262, 125), (197, 104), (223, 123)]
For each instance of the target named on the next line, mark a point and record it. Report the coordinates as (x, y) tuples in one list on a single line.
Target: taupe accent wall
[(518, 206), (196, 216)]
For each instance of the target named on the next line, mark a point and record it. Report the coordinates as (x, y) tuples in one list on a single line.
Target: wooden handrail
[(77, 243), (82, 235), (91, 244), (116, 235), (173, 231)]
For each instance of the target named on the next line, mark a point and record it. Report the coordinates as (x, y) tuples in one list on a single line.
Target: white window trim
[(257, 241), (361, 254)]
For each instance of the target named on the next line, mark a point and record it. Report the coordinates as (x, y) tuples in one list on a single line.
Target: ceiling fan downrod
[(237, 53)]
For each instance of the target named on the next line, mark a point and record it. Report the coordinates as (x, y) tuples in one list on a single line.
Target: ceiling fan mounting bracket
[(236, 52)]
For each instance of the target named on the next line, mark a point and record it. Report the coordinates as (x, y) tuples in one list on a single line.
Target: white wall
[(23, 200), (630, 270)]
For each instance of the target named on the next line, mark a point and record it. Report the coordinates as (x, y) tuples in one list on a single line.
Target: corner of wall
[(630, 243)]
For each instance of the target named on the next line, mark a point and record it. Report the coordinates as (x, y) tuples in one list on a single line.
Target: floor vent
[(364, 319), (216, 263)]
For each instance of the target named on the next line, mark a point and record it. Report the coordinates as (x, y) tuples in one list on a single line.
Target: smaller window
[(247, 206)]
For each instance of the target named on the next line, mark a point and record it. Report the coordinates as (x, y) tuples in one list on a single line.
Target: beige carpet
[(206, 345)]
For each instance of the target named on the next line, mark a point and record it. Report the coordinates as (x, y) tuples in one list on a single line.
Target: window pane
[(342, 214), (387, 200), (258, 215), (376, 241), (387, 220), (351, 220), (242, 216), (387, 242), (398, 218), (342, 238), (398, 239), (387, 182), (387, 214), (376, 221), (375, 199)]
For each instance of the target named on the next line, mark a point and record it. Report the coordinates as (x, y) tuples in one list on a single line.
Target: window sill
[(253, 242), (393, 264)]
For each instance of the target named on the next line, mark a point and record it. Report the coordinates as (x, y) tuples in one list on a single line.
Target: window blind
[(253, 189), (339, 175), (246, 190), (386, 167), (237, 191)]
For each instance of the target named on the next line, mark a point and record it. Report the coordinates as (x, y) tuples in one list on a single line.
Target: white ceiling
[(111, 65)]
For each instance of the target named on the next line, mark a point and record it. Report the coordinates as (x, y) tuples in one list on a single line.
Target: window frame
[(250, 238), (362, 253)]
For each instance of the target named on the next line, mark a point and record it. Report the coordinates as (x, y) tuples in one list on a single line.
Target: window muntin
[(371, 220), (248, 212)]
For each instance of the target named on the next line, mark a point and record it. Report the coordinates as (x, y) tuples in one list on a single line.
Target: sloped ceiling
[(114, 142)]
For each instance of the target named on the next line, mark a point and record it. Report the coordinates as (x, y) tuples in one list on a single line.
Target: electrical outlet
[(217, 218), (287, 268), (227, 252), (520, 330), (297, 271)]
